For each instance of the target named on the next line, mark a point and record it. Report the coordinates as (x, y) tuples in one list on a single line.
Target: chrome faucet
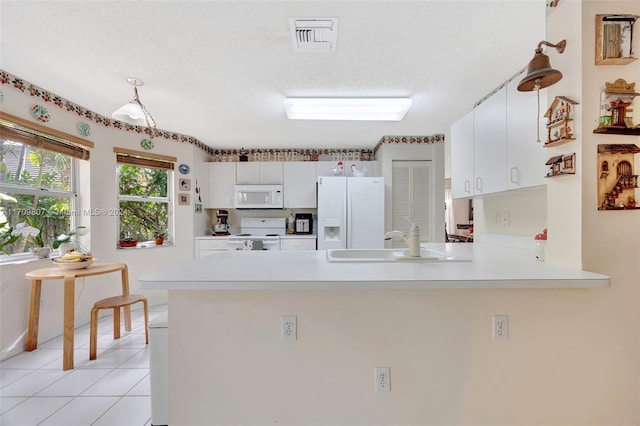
[(412, 240)]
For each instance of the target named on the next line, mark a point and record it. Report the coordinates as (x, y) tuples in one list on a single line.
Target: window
[(144, 195), (37, 173)]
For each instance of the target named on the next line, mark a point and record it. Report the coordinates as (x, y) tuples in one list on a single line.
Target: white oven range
[(258, 234)]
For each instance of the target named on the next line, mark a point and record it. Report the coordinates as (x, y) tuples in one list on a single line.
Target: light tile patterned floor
[(112, 390)]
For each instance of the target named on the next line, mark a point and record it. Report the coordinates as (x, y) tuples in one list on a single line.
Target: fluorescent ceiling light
[(373, 109)]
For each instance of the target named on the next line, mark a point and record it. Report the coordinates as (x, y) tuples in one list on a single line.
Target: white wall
[(611, 239), (97, 186), (521, 212)]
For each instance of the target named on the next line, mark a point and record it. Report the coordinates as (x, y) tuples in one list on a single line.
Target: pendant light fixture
[(134, 112), (540, 74)]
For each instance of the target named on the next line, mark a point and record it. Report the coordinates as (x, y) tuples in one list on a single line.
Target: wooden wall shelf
[(614, 34), (618, 131), (558, 142), (559, 174), (616, 61)]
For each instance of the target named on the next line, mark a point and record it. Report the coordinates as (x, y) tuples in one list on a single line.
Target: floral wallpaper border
[(408, 140), (23, 86)]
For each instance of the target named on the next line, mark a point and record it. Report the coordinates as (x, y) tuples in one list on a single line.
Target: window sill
[(18, 259), (146, 245)]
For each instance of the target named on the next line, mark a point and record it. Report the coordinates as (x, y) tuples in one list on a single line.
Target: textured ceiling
[(218, 70)]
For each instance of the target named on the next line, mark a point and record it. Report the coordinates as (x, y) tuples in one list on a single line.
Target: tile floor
[(111, 390)]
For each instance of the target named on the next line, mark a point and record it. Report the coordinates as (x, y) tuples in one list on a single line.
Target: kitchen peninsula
[(491, 267), (230, 365)]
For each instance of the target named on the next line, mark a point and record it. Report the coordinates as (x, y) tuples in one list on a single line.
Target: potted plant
[(158, 238), (64, 243), (7, 237), (158, 233), (128, 242)]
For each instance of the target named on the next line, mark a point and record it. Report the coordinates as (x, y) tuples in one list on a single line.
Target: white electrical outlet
[(506, 218), (289, 327), (500, 327), (383, 379)]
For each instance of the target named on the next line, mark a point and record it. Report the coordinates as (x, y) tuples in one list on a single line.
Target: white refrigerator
[(350, 212)]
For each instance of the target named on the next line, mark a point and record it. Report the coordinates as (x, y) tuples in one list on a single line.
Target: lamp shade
[(131, 112)]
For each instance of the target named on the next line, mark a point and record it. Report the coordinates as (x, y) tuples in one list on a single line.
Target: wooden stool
[(114, 303)]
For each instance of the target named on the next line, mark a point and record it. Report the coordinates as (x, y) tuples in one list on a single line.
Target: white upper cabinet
[(525, 156), (300, 184), (256, 172), (462, 178), (494, 148), (490, 144), (222, 180)]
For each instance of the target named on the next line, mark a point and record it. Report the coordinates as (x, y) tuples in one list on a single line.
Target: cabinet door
[(490, 144), (525, 155), (247, 173), (222, 180), (207, 246), (462, 157), (300, 184), (298, 244), (271, 172)]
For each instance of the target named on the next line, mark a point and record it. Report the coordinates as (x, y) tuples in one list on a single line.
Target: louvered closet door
[(412, 197)]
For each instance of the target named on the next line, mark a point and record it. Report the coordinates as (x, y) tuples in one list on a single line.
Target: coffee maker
[(304, 223), (221, 227)]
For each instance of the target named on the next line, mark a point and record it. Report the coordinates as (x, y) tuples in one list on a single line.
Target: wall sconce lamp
[(540, 74), (134, 112)]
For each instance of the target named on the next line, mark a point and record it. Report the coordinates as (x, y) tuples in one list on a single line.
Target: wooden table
[(69, 277)]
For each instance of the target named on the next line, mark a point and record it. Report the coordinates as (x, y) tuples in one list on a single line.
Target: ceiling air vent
[(314, 34)]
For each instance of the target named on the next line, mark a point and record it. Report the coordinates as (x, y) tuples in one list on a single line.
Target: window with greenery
[(144, 188), (37, 199)]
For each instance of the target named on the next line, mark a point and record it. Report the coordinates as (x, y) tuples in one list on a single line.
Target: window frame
[(18, 189), (126, 157)]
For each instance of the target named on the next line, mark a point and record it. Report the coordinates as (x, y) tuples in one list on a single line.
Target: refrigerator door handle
[(348, 213)]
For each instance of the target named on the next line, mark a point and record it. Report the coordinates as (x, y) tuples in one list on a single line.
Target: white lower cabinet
[(298, 243), (204, 246)]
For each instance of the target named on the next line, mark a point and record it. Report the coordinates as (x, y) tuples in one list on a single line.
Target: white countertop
[(491, 267), (285, 236)]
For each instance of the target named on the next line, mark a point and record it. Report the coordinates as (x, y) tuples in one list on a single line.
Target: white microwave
[(259, 197)]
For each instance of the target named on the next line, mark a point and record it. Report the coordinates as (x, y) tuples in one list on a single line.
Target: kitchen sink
[(389, 255)]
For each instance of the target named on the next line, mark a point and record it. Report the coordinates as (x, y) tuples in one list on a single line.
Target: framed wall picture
[(614, 37), (184, 184), (198, 208), (183, 199)]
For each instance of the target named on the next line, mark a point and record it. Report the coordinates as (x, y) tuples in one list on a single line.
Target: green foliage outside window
[(39, 185), (144, 202)]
